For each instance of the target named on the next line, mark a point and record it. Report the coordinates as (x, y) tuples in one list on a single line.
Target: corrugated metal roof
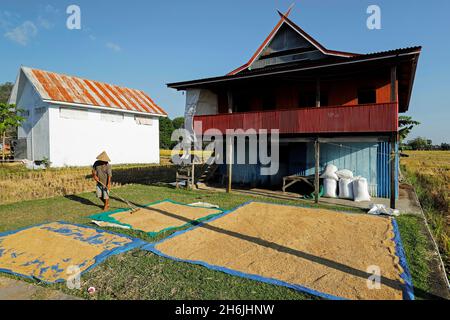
[(62, 88), (293, 66)]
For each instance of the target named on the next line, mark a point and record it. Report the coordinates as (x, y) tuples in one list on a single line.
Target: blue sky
[(146, 44)]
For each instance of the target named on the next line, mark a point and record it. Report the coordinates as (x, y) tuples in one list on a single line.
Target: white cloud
[(113, 46), (50, 9), (23, 33), (44, 23), (5, 19), (47, 15)]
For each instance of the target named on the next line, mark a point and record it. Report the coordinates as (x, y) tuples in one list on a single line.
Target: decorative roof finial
[(288, 12)]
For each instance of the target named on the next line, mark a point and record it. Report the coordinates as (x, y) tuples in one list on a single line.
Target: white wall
[(35, 127), (77, 142), (207, 104)]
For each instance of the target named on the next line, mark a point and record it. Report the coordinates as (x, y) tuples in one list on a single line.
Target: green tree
[(9, 120), (420, 143), (406, 124), (165, 132), (5, 91), (445, 146), (178, 123)]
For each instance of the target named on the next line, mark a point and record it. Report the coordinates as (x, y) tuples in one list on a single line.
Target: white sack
[(380, 209), (344, 174), (346, 188), (204, 205), (361, 190), (330, 188), (330, 172)]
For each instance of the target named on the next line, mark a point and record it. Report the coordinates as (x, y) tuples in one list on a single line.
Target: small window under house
[(111, 116), (142, 120)]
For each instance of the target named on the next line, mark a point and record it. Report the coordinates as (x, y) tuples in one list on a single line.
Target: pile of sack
[(343, 182)]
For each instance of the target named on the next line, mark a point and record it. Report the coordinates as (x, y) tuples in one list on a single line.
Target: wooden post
[(394, 84), (193, 174), (230, 163), (317, 93), (317, 177), (3, 145), (393, 160), (393, 141), (230, 141)]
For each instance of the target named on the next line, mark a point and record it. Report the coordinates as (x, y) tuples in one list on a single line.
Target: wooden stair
[(184, 174), (208, 173)]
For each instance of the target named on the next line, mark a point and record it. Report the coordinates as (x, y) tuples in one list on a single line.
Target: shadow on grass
[(83, 201)]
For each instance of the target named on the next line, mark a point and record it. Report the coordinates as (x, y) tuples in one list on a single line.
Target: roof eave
[(69, 104), (359, 59), (413, 77)]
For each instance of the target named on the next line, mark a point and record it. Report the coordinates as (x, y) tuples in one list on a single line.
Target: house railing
[(380, 117)]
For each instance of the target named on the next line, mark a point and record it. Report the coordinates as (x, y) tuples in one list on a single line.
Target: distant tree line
[(422, 143), (406, 124), (166, 127)]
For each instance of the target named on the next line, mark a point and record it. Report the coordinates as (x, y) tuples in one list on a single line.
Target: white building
[(71, 120)]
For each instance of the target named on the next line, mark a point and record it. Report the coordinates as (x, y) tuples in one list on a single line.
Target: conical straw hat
[(103, 157)]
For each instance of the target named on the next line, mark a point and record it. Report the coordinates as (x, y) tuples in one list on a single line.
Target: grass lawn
[(143, 275)]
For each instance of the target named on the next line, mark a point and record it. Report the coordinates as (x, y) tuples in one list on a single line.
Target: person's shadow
[(84, 201)]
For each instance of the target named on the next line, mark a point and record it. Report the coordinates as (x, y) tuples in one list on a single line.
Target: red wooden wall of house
[(287, 95)]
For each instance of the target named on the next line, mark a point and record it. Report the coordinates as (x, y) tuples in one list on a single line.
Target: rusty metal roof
[(68, 89)]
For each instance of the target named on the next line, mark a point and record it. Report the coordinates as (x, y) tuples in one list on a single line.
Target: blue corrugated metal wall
[(365, 159), (359, 157), (384, 170)]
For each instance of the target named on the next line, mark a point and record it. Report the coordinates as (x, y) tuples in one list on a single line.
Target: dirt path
[(11, 289)]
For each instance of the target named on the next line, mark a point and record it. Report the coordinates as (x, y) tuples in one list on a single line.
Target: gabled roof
[(274, 61), (405, 58), (58, 88), (284, 20)]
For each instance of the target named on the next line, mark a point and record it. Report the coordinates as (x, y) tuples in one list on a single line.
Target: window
[(111, 116), (367, 96), (241, 103), (145, 121), (76, 114), (307, 99), (269, 101), (323, 98)]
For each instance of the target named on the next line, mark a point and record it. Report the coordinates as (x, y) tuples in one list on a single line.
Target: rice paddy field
[(17, 183), (429, 172)]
